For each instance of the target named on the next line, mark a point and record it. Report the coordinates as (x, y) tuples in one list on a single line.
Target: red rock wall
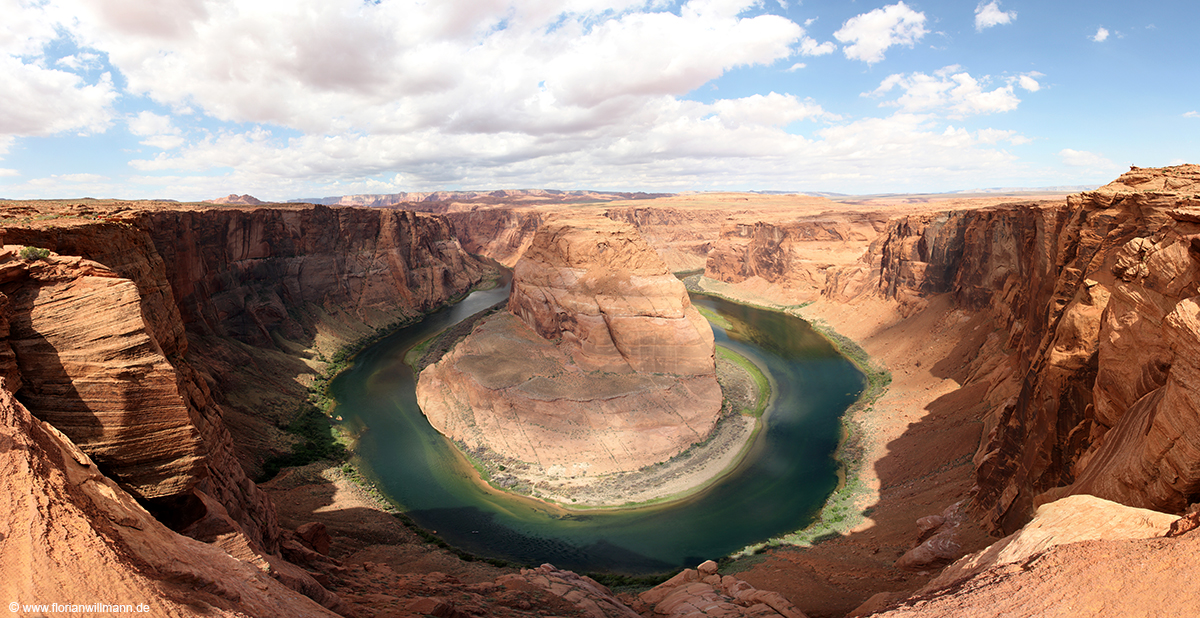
[(228, 277), (1096, 393), (501, 234)]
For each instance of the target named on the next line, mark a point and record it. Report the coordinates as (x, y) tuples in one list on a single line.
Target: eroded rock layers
[(97, 347), (1091, 370), (600, 365)]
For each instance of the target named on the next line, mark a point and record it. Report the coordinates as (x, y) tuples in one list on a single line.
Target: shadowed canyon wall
[(1094, 309), (99, 334)]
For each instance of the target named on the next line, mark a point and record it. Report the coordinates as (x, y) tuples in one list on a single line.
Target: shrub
[(34, 253)]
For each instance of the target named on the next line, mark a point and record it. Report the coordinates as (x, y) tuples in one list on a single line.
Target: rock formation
[(703, 592), (1072, 559), (600, 365), (70, 535)]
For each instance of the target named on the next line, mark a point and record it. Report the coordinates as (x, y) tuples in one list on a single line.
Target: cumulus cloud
[(771, 110), (869, 35), (988, 15), (321, 97), (1085, 159), (41, 101), (335, 65), (1029, 81), (951, 90), (810, 47), (994, 136), (1101, 35), (158, 130)]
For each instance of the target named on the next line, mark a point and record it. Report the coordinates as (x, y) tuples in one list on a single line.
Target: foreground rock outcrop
[(703, 592), (69, 535), (600, 364), (1073, 558)]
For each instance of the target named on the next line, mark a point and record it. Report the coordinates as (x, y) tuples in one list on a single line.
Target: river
[(779, 487)]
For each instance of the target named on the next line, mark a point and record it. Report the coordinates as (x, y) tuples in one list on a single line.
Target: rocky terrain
[(600, 364), (1041, 351)]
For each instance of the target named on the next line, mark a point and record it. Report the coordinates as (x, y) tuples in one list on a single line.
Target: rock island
[(599, 365)]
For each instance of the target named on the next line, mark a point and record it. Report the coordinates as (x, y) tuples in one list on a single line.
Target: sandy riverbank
[(914, 445)]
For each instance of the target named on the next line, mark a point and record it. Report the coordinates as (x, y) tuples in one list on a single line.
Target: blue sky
[(194, 99)]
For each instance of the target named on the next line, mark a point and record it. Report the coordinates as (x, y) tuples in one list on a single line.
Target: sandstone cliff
[(1091, 301), (70, 535), (600, 365), (98, 339)]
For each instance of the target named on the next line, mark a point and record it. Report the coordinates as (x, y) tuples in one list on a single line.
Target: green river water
[(778, 488)]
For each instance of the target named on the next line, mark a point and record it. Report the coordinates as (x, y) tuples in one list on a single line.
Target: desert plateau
[(1022, 440)]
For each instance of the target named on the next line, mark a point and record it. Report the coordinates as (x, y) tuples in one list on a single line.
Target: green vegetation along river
[(778, 488)]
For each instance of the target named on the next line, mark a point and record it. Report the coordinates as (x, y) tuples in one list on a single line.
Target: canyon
[(1043, 389)]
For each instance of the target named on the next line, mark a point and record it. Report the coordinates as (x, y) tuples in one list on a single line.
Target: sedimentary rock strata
[(609, 297), (96, 345), (90, 367), (600, 365), (70, 535)]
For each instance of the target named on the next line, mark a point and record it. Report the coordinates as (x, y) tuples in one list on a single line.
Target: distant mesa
[(600, 364), (233, 198), (438, 200)]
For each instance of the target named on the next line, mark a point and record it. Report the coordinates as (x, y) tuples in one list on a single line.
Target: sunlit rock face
[(601, 364), (609, 297)]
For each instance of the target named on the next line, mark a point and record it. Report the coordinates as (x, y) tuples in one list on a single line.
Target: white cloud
[(796, 67), (947, 89), (80, 61), (1191, 114), (1028, 81), (80, 177), (771, 110), (1083, 158), (148, 123), (41, 101), (158, 130), (5, 172), (988, 15), (323, 97), (1101, 35), (26, 28), (37, 99), (810, 47), (330, 66), (869, 35), (994, 136)]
